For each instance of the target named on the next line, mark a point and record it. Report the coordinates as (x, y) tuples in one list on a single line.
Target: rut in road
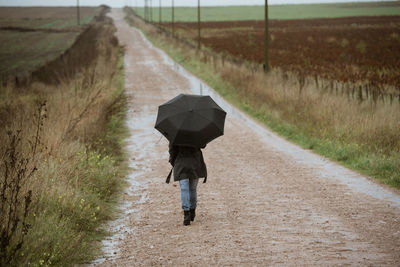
[(260, 206)]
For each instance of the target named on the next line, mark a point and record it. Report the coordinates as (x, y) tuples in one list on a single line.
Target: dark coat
[(188, 162)]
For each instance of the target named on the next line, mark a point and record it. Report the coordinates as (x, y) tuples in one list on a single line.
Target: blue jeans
[(188, 193)]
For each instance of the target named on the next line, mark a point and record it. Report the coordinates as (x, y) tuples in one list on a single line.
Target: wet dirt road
[(266, 202)]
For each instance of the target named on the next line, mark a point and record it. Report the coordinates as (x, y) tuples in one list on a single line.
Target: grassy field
[(231, 13), (46, 17), (16, 57), (48, 31)]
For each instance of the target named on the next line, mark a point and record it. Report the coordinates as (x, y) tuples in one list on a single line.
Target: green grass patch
[(303, 11), (67, 224)]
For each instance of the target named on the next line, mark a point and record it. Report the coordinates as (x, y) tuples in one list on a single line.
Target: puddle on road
[(324, 168), (140, 148)]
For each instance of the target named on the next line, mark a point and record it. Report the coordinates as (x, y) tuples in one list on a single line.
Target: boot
[(192, 214), (186, 218)]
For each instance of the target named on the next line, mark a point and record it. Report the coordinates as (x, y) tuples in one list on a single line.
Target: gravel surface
[(261, 206)]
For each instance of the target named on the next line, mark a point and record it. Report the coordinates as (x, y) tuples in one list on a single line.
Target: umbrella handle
[(169, 176)]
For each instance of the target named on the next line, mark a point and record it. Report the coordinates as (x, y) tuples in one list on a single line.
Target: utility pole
[(198, 25), (148, 11), (173, 19), (159, 15), (266, 66), (145, 10), (77, 13), (151, 10)]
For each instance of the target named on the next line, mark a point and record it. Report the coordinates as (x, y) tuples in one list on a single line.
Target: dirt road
[(266, 202)]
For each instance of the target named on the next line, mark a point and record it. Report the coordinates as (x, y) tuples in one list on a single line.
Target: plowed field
[(344, 49)]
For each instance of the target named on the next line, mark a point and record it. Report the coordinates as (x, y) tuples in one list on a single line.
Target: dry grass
[(76, 166), (321, 114)]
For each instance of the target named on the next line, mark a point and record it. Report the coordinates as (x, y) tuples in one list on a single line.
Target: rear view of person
[(189, 122), (188, 166)]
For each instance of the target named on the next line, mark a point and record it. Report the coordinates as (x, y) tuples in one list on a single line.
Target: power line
[(159, 15)]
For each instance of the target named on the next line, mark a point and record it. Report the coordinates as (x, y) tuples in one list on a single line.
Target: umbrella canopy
[(190, 120)]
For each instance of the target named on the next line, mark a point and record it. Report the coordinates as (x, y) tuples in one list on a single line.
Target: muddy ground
[(265, 203)]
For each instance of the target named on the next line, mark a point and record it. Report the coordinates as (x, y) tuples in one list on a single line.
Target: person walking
[(188, 166), (189, 122)]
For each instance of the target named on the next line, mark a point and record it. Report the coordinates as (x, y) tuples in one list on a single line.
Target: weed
[(18, 166), (344, 43), (361, 47)]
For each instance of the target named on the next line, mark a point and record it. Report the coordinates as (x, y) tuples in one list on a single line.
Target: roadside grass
[(297, 11), (364, 137), (70, 135)]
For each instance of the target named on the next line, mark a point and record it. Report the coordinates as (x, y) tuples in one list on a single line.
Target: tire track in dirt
[(259, 206)]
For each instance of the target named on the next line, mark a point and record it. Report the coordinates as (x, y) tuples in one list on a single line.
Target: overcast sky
[(120, 3)]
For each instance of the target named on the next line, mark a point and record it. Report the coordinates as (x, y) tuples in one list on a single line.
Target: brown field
[(343, 49)]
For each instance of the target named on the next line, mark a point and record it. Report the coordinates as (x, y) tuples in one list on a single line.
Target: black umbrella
[(190, 120)]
